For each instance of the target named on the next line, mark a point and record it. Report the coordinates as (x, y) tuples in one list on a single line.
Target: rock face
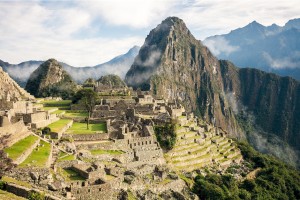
[(49, 79), (173, 64), (273, 100), (10, 90), (111, 80), (176, 66)]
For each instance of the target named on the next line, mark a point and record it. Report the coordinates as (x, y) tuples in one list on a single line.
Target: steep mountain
[(50, 79), (176, 66), (112, 81), (273, 48), (118, 65), (173, 64), (10, 90)]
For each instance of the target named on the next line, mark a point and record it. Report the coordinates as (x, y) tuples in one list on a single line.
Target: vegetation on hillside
[(166, 136), (274, 180)]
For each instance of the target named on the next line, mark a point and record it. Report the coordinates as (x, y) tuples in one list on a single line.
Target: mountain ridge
[(270, 48), (119, 65)]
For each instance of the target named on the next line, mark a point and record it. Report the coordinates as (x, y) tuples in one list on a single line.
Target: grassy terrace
[(101, 151), (39, 156), (17, 182), (63, 103), (71, 175), (16, 150), (80, 128), (58, 125), (73, 114), (63, 157)]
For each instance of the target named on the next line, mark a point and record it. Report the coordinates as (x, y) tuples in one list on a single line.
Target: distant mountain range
[(118, 65), (273, 48)]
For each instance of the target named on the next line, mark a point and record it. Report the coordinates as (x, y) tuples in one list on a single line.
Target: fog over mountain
[(118, 66), (270, 48)]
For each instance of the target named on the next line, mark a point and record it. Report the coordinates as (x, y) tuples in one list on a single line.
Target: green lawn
[(63, 157), (63, 103), (16, 150), (58, 112), (75, 114), (101, 151), (71, 175), (38, 157), (58, 125), (80, 128)]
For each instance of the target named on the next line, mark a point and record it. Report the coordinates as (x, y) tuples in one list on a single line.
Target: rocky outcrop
[(50, 79), (176, 66), (10, 90)]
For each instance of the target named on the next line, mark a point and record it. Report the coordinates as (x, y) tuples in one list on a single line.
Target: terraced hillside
[(199, 145)]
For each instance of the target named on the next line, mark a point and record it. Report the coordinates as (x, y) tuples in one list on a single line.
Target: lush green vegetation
[(275, 180), (81, 128), (74, 114), (58, 125), (63, 157), (39, 156), (16, 150), (17, 182), (101, 151), (166, 136)]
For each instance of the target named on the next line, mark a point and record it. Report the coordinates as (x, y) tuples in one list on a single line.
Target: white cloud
[(292, 61), (66, 29), (219, 45)]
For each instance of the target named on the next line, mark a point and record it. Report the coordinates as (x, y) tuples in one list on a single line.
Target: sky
[(90, 32)]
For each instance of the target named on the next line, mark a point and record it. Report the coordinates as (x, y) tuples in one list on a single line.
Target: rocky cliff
[(173, 64), (274, 101), (50, 79), (176, 66), (10, 90)]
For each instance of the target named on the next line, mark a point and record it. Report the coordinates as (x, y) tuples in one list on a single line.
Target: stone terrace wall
[(90, 137), (24, 192), (102, 191)]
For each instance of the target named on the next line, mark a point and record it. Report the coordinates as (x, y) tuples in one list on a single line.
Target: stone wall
[(94, 192), (58, 135), (90, 137), (24, 192)]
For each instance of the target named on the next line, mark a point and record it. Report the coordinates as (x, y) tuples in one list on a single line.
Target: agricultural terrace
[(81, 128), (59, 125), (39, 156), (16, 150)]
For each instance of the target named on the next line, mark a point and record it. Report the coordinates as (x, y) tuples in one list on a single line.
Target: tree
[(6, 164), (88, 98)]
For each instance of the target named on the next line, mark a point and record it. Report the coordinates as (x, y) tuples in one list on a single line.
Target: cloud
[(292, 61), (219, 45), (86, 33)]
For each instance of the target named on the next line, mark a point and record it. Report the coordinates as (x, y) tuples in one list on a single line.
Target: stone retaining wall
[(90, 137), (24, 192)]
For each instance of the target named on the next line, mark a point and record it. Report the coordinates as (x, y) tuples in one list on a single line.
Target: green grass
[(9, 196), (38, 158), (58, 125), (64, 156), (76, 114), (58, 112), (16, 150), (80, 128), (71, 175), (52, 103), (17, 182), (101, 151)]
